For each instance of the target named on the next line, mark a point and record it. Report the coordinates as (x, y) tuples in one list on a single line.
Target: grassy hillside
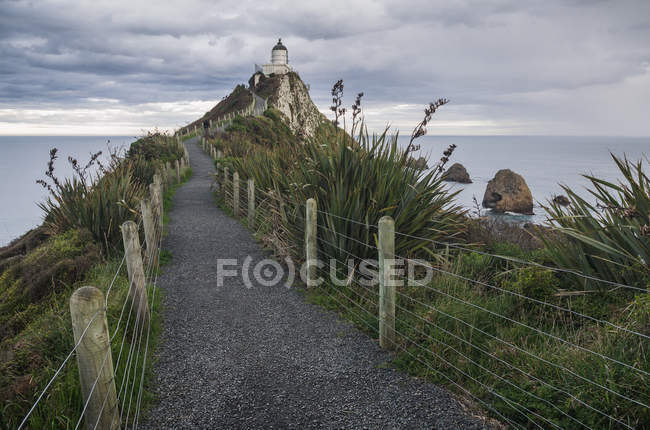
[(239, 99)]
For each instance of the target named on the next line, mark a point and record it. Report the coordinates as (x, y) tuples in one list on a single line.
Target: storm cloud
[(508, 66)]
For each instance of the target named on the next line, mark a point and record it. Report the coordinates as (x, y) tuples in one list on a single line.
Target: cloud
[(563, 67)]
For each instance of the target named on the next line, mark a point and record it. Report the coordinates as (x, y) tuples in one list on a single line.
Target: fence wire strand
[(560, 308), (503, 290), (503, 257)]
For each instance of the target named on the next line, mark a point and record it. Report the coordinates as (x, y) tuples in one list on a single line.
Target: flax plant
[(608, 238)]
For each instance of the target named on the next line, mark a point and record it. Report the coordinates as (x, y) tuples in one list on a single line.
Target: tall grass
[(102, 201), (493, 358), (99, 202), (609, 238), (46, 341), (359, 180)]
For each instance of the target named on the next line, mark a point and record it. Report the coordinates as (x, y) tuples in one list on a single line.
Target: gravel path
[(234, 357)]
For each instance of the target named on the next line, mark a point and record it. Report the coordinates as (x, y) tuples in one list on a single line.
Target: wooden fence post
[(157, 179), (387, 282), (94, 358), (251, 203), (225, 182), (311, 248), (137, 292), (235, 194), (178, 172), (149, 231), (168, 170), (157, 205)]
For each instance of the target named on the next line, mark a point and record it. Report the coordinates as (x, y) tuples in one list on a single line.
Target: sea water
[(544, 162), (23, 160)]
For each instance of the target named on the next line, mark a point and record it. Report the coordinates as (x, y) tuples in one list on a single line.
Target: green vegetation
[(99, 206), (188, 136), (32, 357), (78, 244), (239, 99), (156, 150), (490, 341), (526, 343), (247, 135), (101, 202), (608, 239)]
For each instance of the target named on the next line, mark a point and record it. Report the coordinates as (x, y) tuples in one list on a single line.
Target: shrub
[(98, 203), (608, 239), (155, 147), (534, 282), (59, 262), (358, 180)]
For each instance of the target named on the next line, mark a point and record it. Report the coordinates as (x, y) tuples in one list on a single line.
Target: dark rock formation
[(420, 163), (457, 173), (561, 200), (508, 191)]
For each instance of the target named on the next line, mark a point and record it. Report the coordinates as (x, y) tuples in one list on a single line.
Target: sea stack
[(457, 173), (508, 192)]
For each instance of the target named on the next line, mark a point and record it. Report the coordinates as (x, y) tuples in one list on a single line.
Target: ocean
[(543, 161), (23, 160)]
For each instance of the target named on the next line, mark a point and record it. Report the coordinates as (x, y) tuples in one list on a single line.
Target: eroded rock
[(457, 173), (508, 192)]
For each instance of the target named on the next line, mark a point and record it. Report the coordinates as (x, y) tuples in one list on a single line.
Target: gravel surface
[(261, 357)]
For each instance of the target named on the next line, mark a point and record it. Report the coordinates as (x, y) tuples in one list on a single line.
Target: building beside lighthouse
[(279, 61)]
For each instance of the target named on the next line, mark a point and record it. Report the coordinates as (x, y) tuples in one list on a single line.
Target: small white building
[(279, 61)]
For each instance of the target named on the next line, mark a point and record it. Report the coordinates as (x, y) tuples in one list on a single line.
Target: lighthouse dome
[(279, 53), (279, 46)]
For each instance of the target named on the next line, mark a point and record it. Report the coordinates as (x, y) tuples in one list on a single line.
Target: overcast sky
[(573, 67)]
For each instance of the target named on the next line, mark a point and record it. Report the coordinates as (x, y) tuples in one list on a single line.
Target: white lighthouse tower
[(279, 61)]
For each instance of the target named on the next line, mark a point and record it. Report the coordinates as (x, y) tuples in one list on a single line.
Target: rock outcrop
[(288, 94), (561, 200), (457, 173), (508, 191), (420, 163)]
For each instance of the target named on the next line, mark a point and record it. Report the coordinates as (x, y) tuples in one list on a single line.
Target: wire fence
[(128, 331), (531, 361)]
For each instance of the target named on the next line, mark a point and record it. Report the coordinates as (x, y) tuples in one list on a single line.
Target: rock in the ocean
[(420, 163), (561, 200), (508, 191), (457, 173)]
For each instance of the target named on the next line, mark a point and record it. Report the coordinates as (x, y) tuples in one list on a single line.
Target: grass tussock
[(608, 235)]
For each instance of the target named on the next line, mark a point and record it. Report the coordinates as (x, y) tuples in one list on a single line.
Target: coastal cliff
[(288, 94)]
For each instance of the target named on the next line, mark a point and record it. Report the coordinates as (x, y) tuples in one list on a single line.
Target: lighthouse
[(279, 54), (279, 61)]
